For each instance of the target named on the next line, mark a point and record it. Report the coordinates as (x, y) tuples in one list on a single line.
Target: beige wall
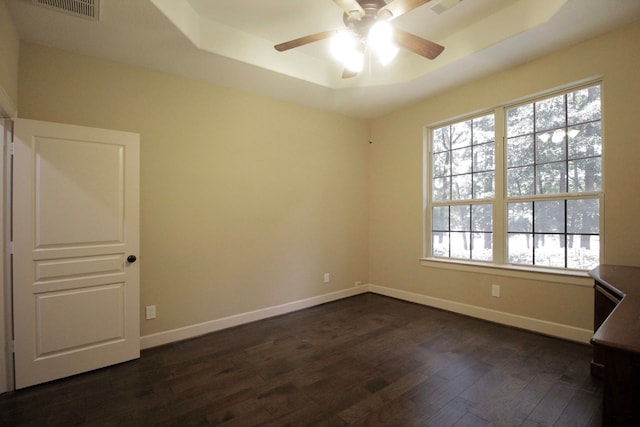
[(245, 201), (9, 51), (397, 192)]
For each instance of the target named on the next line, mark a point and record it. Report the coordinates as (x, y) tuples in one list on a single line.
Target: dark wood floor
[(365, 360)]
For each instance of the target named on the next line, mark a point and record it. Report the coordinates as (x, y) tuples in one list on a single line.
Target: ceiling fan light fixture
[(385, 14), (355, 62), (367, 30), (380, 34), (386, 53), (343, 44), (355, 15), (380, 40)]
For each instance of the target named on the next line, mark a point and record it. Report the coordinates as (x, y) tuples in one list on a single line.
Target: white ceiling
[(230, 42)]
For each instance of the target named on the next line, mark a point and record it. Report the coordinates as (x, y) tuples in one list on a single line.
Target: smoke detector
[(88, 9)]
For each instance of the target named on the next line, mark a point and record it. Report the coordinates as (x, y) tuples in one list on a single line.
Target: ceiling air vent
[(444, 5), (88, 9)]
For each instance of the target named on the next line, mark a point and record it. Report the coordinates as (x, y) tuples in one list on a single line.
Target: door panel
[(90, 175), (47, 271), (102, 306), (75, 221)]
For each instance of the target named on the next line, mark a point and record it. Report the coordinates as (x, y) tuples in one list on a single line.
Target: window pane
[(461, 218), (441, 189), (461, 134), (461, 161), (484, 129), (440, 218), (553, 153), (460, 245), (549, 149), (584, 105), (585, 140), (482, 246), (483, 158), (483, 185), (520, 248), (585, 175), (520, 120), (583, 252), (549, 216), (441, 139), (520, 181), (441, 166), (482, 218), (440, 244), (520, 217), (550, 113), (461, 187), (551, 178), (520, 151), (549, 250), (583, 216)]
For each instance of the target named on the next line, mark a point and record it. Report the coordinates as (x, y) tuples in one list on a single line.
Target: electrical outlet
[(327, 277), (150, 312), (495, 291)]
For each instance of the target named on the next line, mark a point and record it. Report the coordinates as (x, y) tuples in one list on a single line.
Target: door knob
[(131, 258)]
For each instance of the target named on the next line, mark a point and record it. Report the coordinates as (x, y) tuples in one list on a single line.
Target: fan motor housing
[(362, 24)]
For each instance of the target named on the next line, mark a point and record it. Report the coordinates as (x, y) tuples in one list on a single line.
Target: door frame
[(6, 321), (8, 111)]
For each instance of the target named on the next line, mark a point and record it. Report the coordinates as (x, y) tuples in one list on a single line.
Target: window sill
[(569, 277)]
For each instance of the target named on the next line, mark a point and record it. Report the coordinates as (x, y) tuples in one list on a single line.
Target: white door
[(75, 236)]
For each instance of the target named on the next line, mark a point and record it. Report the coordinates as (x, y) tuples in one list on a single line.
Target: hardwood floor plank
[(450, 414), (398, 412), (365, 360), (470, 420), (552, 404), (580, 409)]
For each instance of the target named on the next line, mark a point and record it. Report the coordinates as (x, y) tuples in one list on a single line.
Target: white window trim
[(566, 276), (500, 266)]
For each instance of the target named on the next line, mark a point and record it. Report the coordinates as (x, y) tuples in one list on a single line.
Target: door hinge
[(12, 346), (11, 148), (11, 248)]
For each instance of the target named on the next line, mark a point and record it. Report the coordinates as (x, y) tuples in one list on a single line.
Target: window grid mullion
[(566, 243), (473, 190), (566, 145), (449, 228), (470, 238), (534, 240)]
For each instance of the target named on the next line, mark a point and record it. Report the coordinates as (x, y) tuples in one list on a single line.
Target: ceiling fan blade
[(350, 6), (347, 74), (304, 40), (415, 44), (400, 7)]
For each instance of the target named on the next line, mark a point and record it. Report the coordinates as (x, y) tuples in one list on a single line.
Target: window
[(463, 159), (550, 192)]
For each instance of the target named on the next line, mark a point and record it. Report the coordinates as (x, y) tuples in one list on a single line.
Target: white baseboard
[(558, 330), (536, 325), (166, 337)]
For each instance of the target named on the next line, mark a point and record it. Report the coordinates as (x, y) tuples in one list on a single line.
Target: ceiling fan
[(367, 27)]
